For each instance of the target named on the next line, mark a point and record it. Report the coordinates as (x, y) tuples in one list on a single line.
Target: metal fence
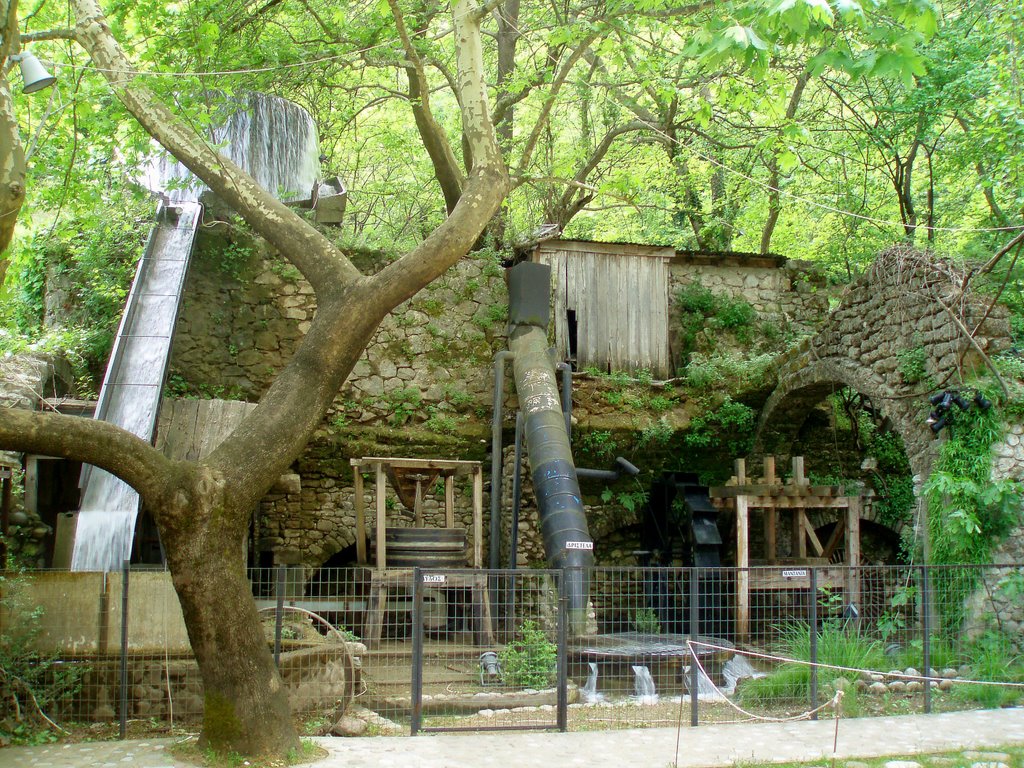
[(424, 650)]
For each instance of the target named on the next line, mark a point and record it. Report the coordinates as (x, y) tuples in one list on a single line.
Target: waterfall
[(643, 685), (275, 142), (272, 139), (589, 692)]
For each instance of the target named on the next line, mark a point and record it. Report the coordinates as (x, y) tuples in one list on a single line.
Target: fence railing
[(426, 650)]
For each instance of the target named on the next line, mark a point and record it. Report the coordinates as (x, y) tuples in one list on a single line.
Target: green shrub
[(31, 683), (529, 661), (645, 620)]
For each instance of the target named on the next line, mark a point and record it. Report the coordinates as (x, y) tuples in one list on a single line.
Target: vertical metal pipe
[(926, 640), (416, 714), (123, 715), (496, 458), (563, 654), (278, 613), (812, 620), (694, 630), (517, 493)]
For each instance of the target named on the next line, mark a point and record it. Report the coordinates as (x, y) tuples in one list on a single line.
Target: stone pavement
[(707, 746)]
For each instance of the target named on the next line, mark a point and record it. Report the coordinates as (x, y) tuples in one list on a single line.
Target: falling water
[(735, 669), (643, 685), (271, 138), (589, 691), (275, 141)]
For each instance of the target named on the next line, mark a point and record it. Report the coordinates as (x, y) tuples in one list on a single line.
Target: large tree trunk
[(245, 701)]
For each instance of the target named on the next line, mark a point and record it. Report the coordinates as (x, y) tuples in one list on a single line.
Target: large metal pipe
[(563, 521)]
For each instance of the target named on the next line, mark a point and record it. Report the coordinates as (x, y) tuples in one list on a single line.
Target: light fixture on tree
[(34, 76)]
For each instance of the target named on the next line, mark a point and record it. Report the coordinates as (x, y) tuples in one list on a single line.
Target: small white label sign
[(433, 578), (794, 573), (579, 545)]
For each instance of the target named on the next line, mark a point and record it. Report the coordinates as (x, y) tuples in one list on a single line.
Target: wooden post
[(478, 512), (449, 501), (799, 545), (771, 549), (853, 549), (740, 470), (360, 514), (798, 471), (381, 516), (769, 470), (742, 564)]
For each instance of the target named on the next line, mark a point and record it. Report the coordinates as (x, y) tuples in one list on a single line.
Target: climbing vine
[(969, 512)]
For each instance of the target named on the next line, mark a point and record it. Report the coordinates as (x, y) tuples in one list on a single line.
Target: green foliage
[(530, 660), (401, 404), (645, 620), (630, 500), (599, 444), (66, 287), (700, 310), (729, 426), (31, 683), (838, 644), (911, 364), (991, 658), (968, 511), (713, 373)]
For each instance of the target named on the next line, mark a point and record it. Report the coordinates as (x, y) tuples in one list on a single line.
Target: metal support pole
[(694, 630), (278, 613), (496, 457), (416, 715), (563, 656), (926, 642), (123, 719), (812, 620)]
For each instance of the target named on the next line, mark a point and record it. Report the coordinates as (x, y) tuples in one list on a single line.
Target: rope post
[(694, 630), (123, 719), (812, 620), (926, 644)]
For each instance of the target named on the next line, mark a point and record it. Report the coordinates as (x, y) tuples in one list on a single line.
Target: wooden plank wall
[(621, 305), (190, 429)]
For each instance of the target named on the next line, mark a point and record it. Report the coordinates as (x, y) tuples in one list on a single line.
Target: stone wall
[(793, 290), (997, 604), (242, 319)]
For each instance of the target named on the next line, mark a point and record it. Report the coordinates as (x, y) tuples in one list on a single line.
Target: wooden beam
[(360, 505), (799, 478), (832, 492), (833, 539), (449, 501), (478, 516), (771, 547), (811, 535), (799, 541), (853, 550), (742, 563), (381, 490)]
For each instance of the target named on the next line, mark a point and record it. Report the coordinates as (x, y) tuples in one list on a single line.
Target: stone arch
[(909, 308)]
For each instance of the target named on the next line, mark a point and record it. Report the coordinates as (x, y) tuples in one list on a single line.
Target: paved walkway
[(707, 746)]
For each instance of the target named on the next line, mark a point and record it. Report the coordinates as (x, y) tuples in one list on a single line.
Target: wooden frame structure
[(448, 469), (384, 581), (770, 495)]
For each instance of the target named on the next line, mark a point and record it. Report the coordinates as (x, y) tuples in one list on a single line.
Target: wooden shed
[(610, 303)]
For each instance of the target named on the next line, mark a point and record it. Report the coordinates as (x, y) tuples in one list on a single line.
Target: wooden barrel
[(425, 547)]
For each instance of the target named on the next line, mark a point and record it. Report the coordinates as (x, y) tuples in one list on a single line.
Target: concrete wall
[(81, 612)]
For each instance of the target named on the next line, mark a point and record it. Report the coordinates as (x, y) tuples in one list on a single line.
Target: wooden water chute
[(400, 548), (795, 497)]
